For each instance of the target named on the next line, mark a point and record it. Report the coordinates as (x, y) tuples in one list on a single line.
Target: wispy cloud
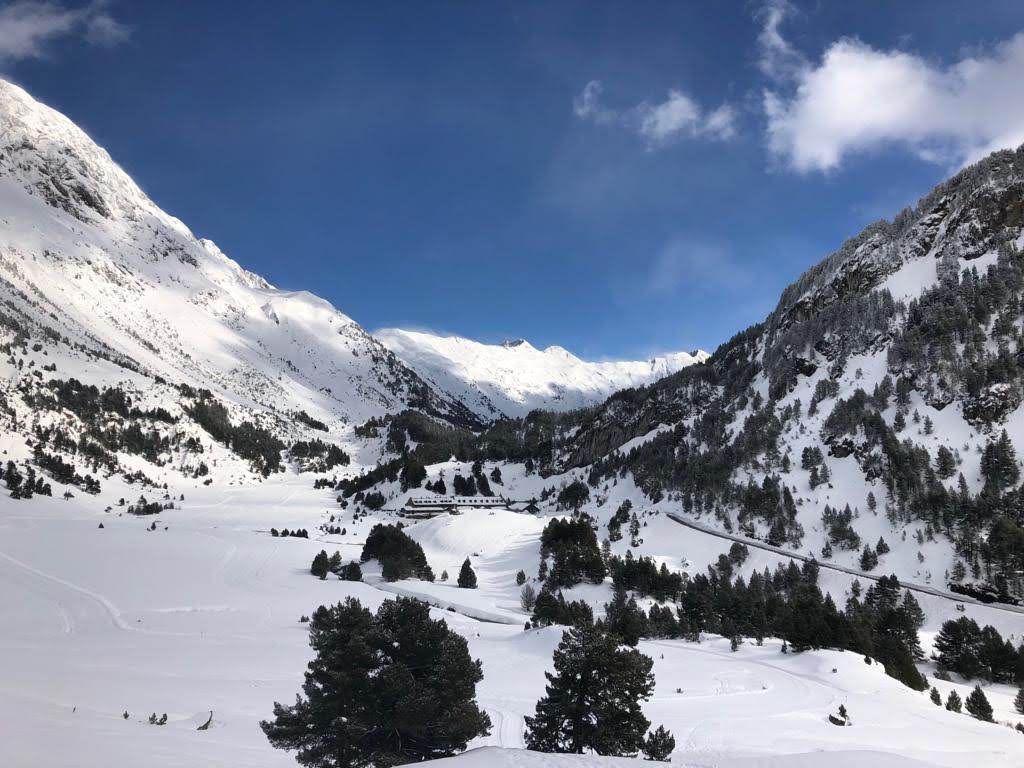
[(858, 98), (686, 262), (675, 118), (28, 27)]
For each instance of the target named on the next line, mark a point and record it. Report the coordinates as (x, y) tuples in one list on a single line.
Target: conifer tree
[(624, 618), (1018, 701), (527, 597), (592, 699), (467, 576), (936, 697), (383, 689), (957, 646), (953, 703), (320, 565), (978, 706), (659, 745), (945, 463), (868, 559)]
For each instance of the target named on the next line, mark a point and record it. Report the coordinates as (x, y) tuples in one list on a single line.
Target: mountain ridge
[(513, 378)]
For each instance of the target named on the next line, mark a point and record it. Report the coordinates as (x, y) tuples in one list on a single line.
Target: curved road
[(825, 564)]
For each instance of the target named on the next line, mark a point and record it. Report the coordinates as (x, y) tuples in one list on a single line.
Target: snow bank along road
[(926, 590)]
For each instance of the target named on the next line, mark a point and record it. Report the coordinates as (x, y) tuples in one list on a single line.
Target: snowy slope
[(204, 615), (514, 378), (86, 256)]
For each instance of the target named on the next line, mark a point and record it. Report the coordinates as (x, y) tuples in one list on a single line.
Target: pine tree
[(381, 690), (527, 597), (520, 578), (999, 464), (334, 562), (978, 706), (936, 697), (1018, 701), (957, 647), (660, 745), (350, 572), (467, 576), (868, 559), (592, 699), (945, 464), (623, 617), (320, 565), (953, 703)]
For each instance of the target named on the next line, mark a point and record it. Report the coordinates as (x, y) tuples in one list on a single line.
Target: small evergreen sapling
[(953, 703), (978, 706), (660, 745)]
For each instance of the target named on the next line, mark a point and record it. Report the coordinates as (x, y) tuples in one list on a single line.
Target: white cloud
[(677, 117), (778, 59), (858, 98), (27, 27), (587, 105)]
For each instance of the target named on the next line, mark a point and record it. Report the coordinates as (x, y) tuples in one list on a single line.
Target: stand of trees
[(963, 647), (250, 441), (788, 604), (317, 456), (400, 557), (572, 547)]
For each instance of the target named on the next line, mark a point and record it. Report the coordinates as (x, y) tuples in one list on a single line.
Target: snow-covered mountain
[(874, 418), (86, 257), (514, 377)]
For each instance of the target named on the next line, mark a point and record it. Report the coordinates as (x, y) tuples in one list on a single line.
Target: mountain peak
[(514, 377)]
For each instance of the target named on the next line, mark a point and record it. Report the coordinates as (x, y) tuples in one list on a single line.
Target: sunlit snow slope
[(86, 255), (514, 378)]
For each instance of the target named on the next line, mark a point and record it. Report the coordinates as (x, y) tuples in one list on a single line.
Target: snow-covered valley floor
[(203, 614)]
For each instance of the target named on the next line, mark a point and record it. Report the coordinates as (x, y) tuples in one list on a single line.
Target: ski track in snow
[(109, 610)]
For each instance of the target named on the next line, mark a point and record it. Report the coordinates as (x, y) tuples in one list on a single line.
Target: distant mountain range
[(514, 377)]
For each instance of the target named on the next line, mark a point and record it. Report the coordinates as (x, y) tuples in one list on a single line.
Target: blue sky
[(620, 179)]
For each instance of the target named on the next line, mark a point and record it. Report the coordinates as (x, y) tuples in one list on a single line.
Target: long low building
[(429, 506)]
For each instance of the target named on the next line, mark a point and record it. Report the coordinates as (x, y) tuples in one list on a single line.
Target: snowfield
[(203, 614), (514, 377)]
